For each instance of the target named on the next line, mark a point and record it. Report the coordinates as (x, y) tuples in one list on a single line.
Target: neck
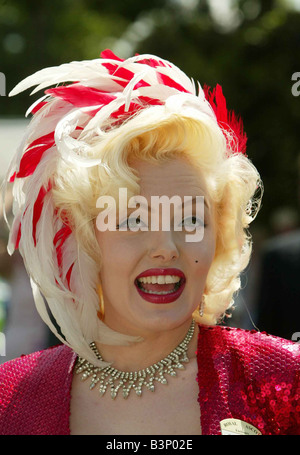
[(152, 349)]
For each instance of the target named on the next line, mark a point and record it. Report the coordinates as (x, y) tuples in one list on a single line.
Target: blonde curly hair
[(233, 184)]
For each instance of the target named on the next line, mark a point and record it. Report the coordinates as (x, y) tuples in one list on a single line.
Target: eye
[(131, 223), (193, 221)]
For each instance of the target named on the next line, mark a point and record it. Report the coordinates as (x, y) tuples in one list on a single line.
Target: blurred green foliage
[(253, 57)]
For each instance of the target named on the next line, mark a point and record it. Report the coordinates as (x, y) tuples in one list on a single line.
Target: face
[(153, 280)]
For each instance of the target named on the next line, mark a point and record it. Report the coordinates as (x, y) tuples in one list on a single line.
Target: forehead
[(174, 177)]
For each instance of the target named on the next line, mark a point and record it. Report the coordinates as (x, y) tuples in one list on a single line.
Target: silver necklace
[(134, 380)]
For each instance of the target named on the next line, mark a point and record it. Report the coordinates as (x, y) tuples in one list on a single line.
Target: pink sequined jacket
[(245, 375)]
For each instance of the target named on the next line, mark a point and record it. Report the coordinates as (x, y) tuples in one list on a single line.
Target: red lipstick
[(161, 298)]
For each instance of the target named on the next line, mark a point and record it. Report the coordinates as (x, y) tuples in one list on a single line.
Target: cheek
[(119, 257), (202, 253)]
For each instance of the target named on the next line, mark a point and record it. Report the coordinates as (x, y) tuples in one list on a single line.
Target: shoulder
[(39, 363), (27, 386), (265, 348), (261, 373)]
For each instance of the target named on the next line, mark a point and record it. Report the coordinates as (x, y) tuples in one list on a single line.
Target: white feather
[(75, 308), (85, 70), (35, 104)]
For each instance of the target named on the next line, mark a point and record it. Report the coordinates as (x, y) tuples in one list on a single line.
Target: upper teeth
[(159, 279)]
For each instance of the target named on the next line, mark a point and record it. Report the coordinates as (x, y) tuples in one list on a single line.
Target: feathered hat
[(96, 96)]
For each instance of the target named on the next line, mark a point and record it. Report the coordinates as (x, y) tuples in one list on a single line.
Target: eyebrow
[(189, 201)]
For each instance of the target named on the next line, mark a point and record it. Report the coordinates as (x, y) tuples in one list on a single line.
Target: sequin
[(250, 376), (243, 375), (35, 393)]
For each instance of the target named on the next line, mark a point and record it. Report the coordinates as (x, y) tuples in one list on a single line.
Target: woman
[(136, 288)]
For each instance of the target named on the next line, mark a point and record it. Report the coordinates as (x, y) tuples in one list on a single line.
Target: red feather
[(37, 209), (226, 119), (12, 178), (141, 103), (38, 107), (166, 80), (133, 108), (42, 140), (141, 83), (152, 62), (18, 237), (68, 275), (108, 54), (117, 71), (19, 232), (127, 75), (33, 155), (58, 241), (81, 96), (152, 101)]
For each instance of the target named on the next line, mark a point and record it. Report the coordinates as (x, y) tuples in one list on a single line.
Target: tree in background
[(251, 49)]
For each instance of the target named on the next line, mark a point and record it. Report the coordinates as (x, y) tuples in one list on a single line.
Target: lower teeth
[(177, 286), (158, 293)]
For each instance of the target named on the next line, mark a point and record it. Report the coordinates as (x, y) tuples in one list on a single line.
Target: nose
[(163, 246)]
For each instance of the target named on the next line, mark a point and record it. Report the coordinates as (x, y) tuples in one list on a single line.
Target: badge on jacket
[(237, 427)]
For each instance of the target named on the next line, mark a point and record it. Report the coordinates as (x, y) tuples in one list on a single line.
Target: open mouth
[(160, 285)]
